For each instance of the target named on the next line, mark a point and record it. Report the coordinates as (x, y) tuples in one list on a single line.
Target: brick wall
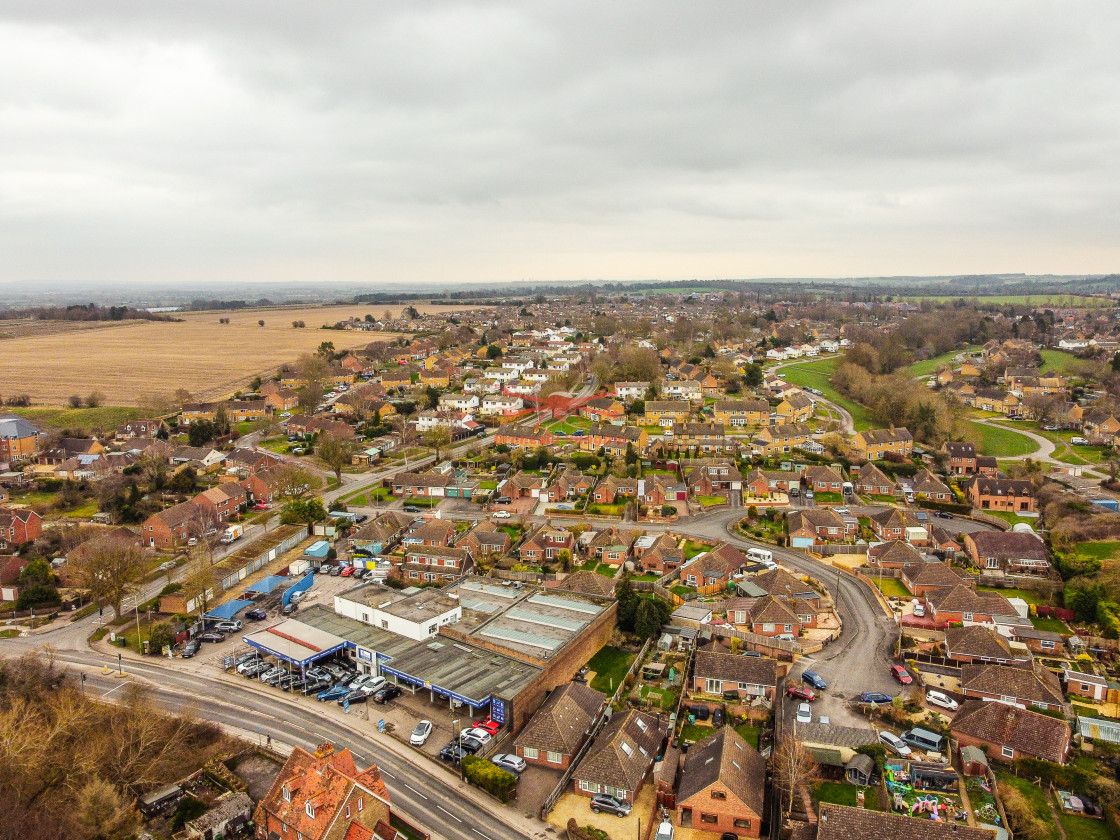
[(725, 810)]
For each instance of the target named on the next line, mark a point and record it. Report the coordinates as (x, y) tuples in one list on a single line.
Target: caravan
[(763, 557)]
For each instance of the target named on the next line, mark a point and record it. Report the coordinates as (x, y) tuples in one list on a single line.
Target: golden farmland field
[(134, 359)]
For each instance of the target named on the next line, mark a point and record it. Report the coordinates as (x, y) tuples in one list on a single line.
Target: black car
[(314, 686), (943, 514), (470, 745), (355, 696), (361, 517), (191, 648), (210, 636), (256, 615), (452, 753), (410, 509), (386, 693)]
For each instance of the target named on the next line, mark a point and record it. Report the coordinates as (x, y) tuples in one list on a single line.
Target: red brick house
[(809, 525), (546, 544), (967, 606), (604, 410), (19, 526), (772, 616), (1089, 686), (561, 726), (223, 502), (1036, 687), (323, 796), (979, 645), (723, 786), (1008, 551), (872, 481), (621, 757), (421, 484), (1009, 494), (1010, 733), (434, 563), (614, 439), (172, 526), (264, 486), (748, 676), (960, 458), (432, 533), (524, 436), (823, 479)]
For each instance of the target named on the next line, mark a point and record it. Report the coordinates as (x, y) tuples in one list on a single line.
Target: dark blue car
[(875, 697), (814, 679), (340, 690)]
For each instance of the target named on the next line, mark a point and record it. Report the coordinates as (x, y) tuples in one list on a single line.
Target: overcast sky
[(444, 141)]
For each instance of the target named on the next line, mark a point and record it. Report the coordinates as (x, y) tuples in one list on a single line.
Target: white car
[(893, 743), (501, 514), (421, 733), (480, 735), (936, 698), (843, 511), (804, 713)]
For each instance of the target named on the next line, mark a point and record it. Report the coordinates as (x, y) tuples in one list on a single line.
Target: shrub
[(489, 777)]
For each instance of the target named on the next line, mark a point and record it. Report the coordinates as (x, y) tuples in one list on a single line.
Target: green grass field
[(103, 417), (893, 588), (1050, 625), (569, 424), (1026, 594), (841, 793), (1003, 442), (1020, 300), (1083, 828), (1013, 518), (710, 501), (817, 374), (1059, 361), (606, 570), (610, 665), (691, 549), (930, 366)]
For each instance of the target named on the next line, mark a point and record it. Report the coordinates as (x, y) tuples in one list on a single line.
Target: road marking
[(111, 690), (385, 772), (480, 834), (414, 790), (449, 813)]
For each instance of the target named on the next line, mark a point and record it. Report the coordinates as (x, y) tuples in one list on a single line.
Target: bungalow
[(782, 584), (613, 545), (1007, 494), (523, 485), (421, 484), (1041, 642), (1009, 733), (621, 758), (823, 479), (772, 616), (964, 605), (896, 554), (382, 533), (843, 822), (1008, 551), (561, 726), (875, 444), (723, 786), (974, 645), (747, 676), (921, 579), (927, 484)]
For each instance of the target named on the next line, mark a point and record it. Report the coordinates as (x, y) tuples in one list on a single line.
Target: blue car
[(814, 679), (875, 697), (334, 693)]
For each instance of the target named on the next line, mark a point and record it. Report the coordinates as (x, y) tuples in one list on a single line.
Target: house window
[(1047, 645), (347, 812), (767, 628), (553, 757), (361, 803), (993, 563), (287, 794), (789, 628), (709, 818), (968, 616), (1084, 687), (310, 809), (719, 794), (740, 823), (1007, 752), (530, 752), (588, 787)]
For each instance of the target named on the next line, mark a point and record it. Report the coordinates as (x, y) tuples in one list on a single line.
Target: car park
[(602, 802), (470, 745), (901, 674), (510, 763), (228, 626), (452, 753), (936, 698), (212, 636), (875, 697), (814, 679), (386, 693), (190, 648), (480, 735), (421, 733), (256, 614), (804, 713), (489, 725), (333, 693), (893, 743), (801, 692)]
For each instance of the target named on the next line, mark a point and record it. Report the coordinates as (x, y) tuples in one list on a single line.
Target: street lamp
[(456, 723)]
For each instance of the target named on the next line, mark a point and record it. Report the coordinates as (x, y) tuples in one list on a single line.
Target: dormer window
[(287, 794), (361, 803), (310, 810)]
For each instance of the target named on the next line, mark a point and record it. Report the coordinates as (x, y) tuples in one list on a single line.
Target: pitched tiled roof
[(1027, 685), (937, 574), (1005, 726), (843, 822), (755, 670), (976, 641), (623, 752), (588, 583), (1009, 545), (563, 719), (771, 610), (962, 599), (725, 757), (897, 551)]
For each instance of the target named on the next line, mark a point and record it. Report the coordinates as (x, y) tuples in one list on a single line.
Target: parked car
[(332, 693), (315, 685), (335, 669), (333, 571), (191, 648), (289, 608), (814, 679), (490, 725), (347, 571), (370, 680), (751, 653), (386, 693), (256, 614), (212, 636), (274, 676), (875, 697), (298, 596), (421, 733), (501, 514), (510, 763), (290, 682), (804, 713), (936, 698), (809, 495), (786, 637), (261, 506), (246, 657), (228, 626), (361, 517), (452, 753), (480, 735), (601, 802), (843, 511), (410, 509), (801, 692), (894, 744), (256, 669), (943, 514), (901, 674), (357, 695)]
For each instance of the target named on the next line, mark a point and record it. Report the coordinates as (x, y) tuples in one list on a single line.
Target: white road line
[(414, 790), (480, 834), (111, 690), (449, 813), (387, 773)]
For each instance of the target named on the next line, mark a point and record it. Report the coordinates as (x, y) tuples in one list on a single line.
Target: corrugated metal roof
[(566, 604)]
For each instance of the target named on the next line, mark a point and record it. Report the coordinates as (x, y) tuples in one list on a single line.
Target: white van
[(1079, 441)]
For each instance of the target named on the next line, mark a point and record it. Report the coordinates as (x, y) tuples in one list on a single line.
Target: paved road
[(847, 424), (1046, 447)]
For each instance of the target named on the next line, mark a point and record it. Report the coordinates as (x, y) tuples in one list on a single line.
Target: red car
[(901, 674), (347, 571), (490, 725), (802, 692), (261, 506)]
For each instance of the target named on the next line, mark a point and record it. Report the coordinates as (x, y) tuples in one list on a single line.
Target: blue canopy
[(266, 585), (228, 610)]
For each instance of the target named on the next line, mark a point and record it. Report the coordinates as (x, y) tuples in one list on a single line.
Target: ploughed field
[(129, 360)]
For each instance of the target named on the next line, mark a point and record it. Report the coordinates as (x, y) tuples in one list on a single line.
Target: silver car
[(510, 763)]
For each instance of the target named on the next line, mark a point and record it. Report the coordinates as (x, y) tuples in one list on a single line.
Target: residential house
[(891, 524), (934, 489), (614, 440), (523, 485), (1009, 494), (19, 526), (682, 389), (587, 583), (173, 526), (794, 408), (962, 604), (132, 430), (382, 533), (1041, 642), (545, 544), (747, 676), (1012, 552), (194, 412), (412, 484), (711, 571), (523, 436), (807, 526), (960, 458), (662, 557), (19, 438), (1009, 733), (712, 478), (723, 786), (975, 644), (570, 485), (782, 584), (222, 502), (630, 391), (921, 579), (876, 444), (613, 545), (665, 413), (323, 796), (782, 438), (823, 479), (872, 481), (486, 540), (770, 616), (246, 411), (228, 816), (1089, 686), (1036, 687), (433, 532), (561, 726), (603, 410), (434, 563), (739, 413), (612, 489), (621, 757), (896, 554), (501, 405)]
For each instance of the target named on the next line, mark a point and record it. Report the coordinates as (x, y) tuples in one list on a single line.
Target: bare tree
[(437, 438), (334, 451), (293, 480), (199, 580), (793, 766), (109, 570)]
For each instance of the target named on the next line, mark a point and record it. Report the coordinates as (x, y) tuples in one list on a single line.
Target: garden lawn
[(606, 570), (893, 588), (930, 366), (749, 733), (841, 793), (422, 501), (827, 498), (1058, 361), (1002, 442), (610, 665), (1026, 594), (1083, 828), (681, 591), (1101, 550), (1053, 625), (605, 510), (695, 732), (691, 549), (651, 576), (1013, 518), (818, 374), (1036, 798), (710, 501)]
